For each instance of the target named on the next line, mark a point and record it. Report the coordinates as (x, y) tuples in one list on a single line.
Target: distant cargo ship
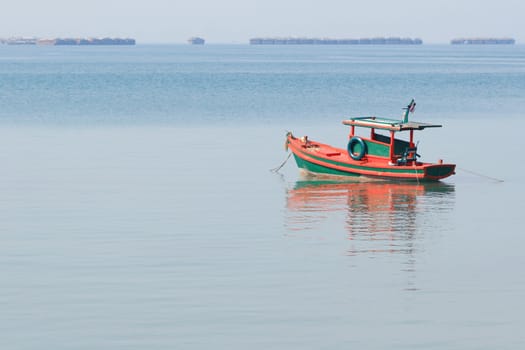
[(69, 41), (329, 41), (196, 41), (88, 41), (19, 41), (483, 41)]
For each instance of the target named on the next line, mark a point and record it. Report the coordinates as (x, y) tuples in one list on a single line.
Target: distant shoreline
[(182, 43)]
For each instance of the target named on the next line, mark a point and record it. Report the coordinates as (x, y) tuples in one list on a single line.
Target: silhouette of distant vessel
[(483, 41), (19, 41), (331, 41), (196, 41), (68, 41), (89, 41)]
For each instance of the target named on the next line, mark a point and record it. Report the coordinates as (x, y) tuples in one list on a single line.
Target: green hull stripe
[(304, 164), (350, 167)]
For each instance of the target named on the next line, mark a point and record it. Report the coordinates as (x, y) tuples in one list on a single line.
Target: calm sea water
[(137, 209)]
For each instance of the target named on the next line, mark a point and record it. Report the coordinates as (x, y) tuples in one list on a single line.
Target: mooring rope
[(275, 170), (481, 175)]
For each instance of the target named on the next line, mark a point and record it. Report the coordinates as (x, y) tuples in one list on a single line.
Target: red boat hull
[(319, 158)]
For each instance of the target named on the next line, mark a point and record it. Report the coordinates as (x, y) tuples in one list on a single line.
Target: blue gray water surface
[(137, 208)]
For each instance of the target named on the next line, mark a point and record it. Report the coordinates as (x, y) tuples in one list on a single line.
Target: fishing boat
[(377, 156)]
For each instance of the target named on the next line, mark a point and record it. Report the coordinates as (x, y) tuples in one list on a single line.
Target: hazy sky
[(235, 21)]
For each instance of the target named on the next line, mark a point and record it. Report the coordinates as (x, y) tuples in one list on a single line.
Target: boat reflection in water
[(375, 216)]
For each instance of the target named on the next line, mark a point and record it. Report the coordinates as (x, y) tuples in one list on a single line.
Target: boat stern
[(439, 171)]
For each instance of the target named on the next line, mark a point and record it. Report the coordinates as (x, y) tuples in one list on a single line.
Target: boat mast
[(409, 109)]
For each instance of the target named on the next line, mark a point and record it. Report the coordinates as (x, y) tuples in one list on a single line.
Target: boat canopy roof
[(388, 124)]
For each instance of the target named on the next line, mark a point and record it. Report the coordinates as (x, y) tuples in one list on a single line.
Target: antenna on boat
[(409, 109)]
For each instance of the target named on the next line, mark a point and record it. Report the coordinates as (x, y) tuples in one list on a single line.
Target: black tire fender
[(351, 144)]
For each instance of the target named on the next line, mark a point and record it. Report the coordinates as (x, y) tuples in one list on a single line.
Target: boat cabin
[(400, 152)]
